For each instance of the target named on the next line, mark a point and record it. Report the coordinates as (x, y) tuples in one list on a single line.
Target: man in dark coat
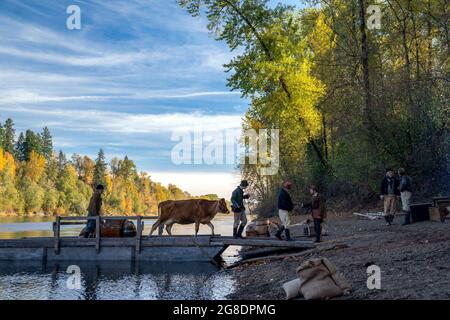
[(285, 206), (318, 210), (237, 205), (94, 209), (389, 193)]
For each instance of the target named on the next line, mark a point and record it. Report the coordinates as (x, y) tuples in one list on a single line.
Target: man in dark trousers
[(318, 211), (237, 205), (389, 193), (94, 209), (285, 206)]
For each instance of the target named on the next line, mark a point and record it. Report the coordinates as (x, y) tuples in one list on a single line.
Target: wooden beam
[(57, 233), (97, 234), (139, 235), (254, 242)]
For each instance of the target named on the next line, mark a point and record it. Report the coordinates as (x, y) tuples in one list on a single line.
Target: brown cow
[(189, 211)]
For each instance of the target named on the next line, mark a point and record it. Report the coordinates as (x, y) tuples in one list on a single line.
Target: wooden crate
[(435, 215)]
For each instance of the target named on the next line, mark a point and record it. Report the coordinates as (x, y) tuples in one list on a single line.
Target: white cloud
[(20, 96), (121, 122)]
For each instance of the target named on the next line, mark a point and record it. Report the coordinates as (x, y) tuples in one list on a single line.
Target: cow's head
[(223, 208)]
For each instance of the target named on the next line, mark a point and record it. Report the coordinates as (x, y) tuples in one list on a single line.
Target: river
[(111, 281)]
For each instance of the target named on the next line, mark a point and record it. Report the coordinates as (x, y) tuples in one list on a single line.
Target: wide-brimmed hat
[(244, 183)]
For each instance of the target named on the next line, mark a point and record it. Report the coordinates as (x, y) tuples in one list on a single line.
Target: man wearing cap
[(237, 205), (285, 206), (389, 193)]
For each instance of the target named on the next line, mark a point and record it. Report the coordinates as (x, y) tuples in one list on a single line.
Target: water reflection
[(113, 281)]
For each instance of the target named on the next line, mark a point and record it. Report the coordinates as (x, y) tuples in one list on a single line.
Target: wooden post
[(139, 234), (57, 229), (97, 233)]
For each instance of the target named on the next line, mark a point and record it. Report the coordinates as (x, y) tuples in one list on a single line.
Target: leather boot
[(288, 235), (279, 232), (239, 232), (235, 233)]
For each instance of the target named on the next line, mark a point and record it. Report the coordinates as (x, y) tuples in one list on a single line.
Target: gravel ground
[(414, 261)]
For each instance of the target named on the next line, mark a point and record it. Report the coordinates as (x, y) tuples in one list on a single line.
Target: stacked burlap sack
[(317, 279)]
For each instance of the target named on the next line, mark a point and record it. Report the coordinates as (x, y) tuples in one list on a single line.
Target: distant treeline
[(35, 179)]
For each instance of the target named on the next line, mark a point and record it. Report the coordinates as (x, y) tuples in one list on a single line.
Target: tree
[(20, 148), (32, 143), (46, 143), (100, 168), (9, 136), (61, 161), (2, 136), (88, 171)]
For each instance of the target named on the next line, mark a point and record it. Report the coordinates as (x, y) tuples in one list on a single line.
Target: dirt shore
[(414, 261)]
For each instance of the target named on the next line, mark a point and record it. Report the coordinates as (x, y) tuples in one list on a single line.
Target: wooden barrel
[(112, 228), (129, 229)]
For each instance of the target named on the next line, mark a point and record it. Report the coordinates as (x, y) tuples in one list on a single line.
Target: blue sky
[(136, 71)]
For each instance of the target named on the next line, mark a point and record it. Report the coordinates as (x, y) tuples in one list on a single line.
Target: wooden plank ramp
[(262, 242)]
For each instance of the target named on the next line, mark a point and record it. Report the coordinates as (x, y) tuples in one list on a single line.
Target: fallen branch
[(283, 256)]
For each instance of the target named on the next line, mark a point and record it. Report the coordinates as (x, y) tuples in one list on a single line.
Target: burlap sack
[(292, 289), (319, 279)]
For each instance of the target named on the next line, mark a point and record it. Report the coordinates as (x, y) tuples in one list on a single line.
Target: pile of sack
[(317, 279)]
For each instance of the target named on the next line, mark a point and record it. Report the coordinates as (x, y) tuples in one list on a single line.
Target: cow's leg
[(154, 227), (197, 227), (211, 226), (169, 229)]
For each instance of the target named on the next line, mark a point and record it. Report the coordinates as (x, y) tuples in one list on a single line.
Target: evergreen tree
[(20, 148), (61, 161), (2, 135), (32, 143), (46, 143), (9, 136), (100, 169)]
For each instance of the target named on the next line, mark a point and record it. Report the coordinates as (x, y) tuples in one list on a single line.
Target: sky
[(136, 72)]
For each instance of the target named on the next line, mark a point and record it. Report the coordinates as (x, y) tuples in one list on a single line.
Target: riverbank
[(414, 261)]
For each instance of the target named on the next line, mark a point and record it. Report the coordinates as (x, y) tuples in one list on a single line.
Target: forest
[(36, 179), (350, 100)]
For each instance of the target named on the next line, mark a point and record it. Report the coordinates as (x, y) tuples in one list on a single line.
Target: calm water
[(111, 281)]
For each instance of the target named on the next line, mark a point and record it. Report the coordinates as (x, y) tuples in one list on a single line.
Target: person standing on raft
[(94, 209), (238, 208)]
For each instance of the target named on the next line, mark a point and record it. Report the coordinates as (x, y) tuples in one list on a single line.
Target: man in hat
[(389, 193), (318, 211), (237, 205), (94, 209), (285, 206)]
